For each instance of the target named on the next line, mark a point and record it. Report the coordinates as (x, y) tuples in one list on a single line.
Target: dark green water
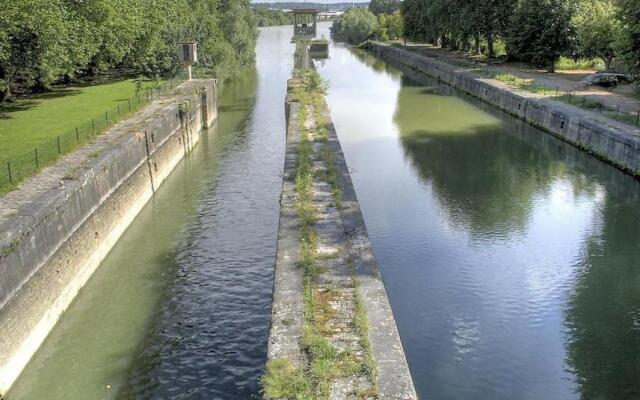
[(512, 259)]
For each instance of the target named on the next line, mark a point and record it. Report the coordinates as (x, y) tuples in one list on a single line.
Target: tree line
[(534, 31), (270, 17), (44, 42)]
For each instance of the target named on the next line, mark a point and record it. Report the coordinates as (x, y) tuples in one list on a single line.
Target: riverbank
[(333, 335), (59, 225), (614, 142)]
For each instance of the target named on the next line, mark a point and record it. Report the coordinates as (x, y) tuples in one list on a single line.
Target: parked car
[(604, 79), (621, 77)]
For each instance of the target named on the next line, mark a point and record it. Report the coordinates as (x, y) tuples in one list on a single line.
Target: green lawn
[(48, 123)]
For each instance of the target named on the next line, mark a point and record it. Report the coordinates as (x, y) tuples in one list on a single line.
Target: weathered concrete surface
[(614, 142), (287, 306), (346, 254), (59, 225)]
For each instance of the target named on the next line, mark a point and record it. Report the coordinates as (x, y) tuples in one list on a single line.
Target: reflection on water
[(512, 259), (180, 307)]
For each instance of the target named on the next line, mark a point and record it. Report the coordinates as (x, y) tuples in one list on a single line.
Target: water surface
[(512, 259)]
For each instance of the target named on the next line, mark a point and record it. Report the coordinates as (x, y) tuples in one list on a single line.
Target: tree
[(491, 20), (598, 29), (629, 44), (355, 26), (44, 42), (395, 26), (384, 6), (540, 32)]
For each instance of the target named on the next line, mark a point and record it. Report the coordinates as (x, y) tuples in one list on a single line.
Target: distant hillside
[(320, 6)]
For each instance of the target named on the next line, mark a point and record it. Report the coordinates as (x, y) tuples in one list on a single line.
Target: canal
[(512, 259), (180, 308)]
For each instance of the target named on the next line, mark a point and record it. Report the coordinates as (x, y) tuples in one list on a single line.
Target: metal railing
[(16, 169)]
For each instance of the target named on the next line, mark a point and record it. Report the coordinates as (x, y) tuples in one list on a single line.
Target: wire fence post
[(129, 105), (58, 140), (618, 111), (77, 135), (106, 116), (9, 169), (638, 118), (118, 108), (93, 127), (35, 151)]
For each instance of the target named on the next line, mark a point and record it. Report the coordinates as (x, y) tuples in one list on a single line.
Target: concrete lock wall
[(614, 142), (53, 242)]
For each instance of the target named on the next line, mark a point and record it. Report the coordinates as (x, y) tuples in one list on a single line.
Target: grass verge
[(37, 130)]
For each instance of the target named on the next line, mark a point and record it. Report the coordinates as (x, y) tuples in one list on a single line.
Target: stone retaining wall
[(58, 226), (614, 142)]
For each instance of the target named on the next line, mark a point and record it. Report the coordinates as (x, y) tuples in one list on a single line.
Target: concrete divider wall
[(611, 141), (63, 222), (287, 317)]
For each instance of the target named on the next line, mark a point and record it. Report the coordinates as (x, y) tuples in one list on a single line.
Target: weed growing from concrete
[(284, 381)]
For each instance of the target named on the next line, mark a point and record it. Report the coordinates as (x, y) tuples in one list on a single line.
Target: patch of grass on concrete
[(283, 381), (361, 323), (326, 362)]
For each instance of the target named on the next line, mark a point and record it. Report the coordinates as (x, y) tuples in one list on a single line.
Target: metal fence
[(16, 169)]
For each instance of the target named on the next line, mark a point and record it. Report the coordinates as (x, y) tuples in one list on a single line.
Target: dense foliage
[(355, 26), (629, 44), (534, 31), (540, 32), (43, 42), (389, 26), (598, 29), (384, 6), (360, 24), (269, 17)]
